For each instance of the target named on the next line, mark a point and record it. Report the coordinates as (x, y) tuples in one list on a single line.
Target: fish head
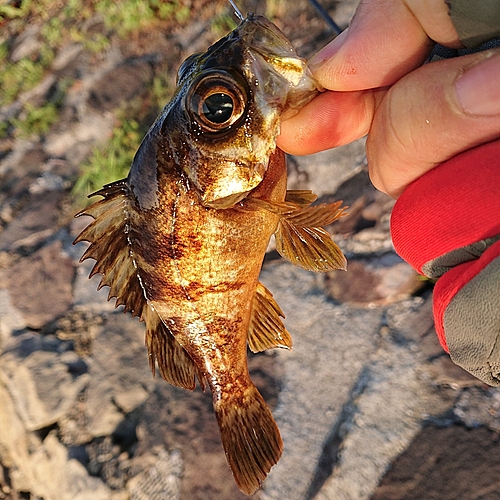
[(222, 123)]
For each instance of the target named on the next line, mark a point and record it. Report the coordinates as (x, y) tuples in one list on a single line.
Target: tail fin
[(250, 437)]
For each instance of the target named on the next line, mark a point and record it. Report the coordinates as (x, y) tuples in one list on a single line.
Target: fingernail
[(478, 89), (327, 52)]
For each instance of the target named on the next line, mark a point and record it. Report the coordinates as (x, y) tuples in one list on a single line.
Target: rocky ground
[(368, 404)]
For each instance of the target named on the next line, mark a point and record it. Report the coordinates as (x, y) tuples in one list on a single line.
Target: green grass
[(37, 120), (131, 15), (64, 21), (23, 75), (20, 76)]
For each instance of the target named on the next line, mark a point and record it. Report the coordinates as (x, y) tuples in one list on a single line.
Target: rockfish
[(181, 241)]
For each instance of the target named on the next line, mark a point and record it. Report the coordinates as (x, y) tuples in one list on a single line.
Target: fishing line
[(319, 9), (237, 11), (324, 14)]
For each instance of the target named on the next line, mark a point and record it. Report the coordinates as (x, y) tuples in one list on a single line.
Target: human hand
[(416, 117)]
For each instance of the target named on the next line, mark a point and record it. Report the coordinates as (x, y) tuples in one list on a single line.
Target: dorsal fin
[(266, 328), (109, 246)]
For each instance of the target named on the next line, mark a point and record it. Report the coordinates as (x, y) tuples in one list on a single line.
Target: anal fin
[(174, 363), (266, 329)]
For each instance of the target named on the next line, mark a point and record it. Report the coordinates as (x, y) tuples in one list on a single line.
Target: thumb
[(431, 115)]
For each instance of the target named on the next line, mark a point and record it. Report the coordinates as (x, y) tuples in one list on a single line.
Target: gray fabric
[(437, 267), (472, 325), (476, 21), (441, 52)]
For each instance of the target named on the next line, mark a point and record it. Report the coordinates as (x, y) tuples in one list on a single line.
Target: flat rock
[(119, 373), (26, 43), (120, 85), (374, 281), (176, 419), (11, 319), (331, 346), (388, 415), (80, 137), (352, 398), (35, 222), (58, 478), (479, 406), (86, 294), (453, 463), (42, 388), (161, 479), (40, 286), (325, 172)]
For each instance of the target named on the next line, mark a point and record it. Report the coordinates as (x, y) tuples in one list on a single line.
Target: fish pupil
[(218, 108)]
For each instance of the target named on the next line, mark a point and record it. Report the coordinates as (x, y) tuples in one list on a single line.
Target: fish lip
[(226, 202), (221, 197)]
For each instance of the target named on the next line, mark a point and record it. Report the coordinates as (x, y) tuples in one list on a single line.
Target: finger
[(329, 120), (431, 115), (386, 40)]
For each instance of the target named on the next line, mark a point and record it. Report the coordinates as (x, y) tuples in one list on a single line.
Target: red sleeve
[(452, 206)]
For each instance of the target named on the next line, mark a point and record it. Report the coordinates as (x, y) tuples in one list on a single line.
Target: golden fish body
[(181, 241)]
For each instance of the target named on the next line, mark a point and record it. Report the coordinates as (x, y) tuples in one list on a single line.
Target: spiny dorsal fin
[(250, 436), (109, 246), (266, 328)]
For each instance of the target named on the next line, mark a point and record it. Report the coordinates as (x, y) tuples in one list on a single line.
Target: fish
[(180, 242)]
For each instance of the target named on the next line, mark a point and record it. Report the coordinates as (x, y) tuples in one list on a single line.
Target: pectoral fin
[(266, 328), (300, 197), (308, 247), (301, 239), (109, 246)]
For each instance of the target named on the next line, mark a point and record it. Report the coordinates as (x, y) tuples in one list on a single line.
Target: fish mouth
[(275, 61)]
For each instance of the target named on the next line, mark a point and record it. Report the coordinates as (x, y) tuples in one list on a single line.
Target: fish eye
[(217, 101), (218, 107)]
